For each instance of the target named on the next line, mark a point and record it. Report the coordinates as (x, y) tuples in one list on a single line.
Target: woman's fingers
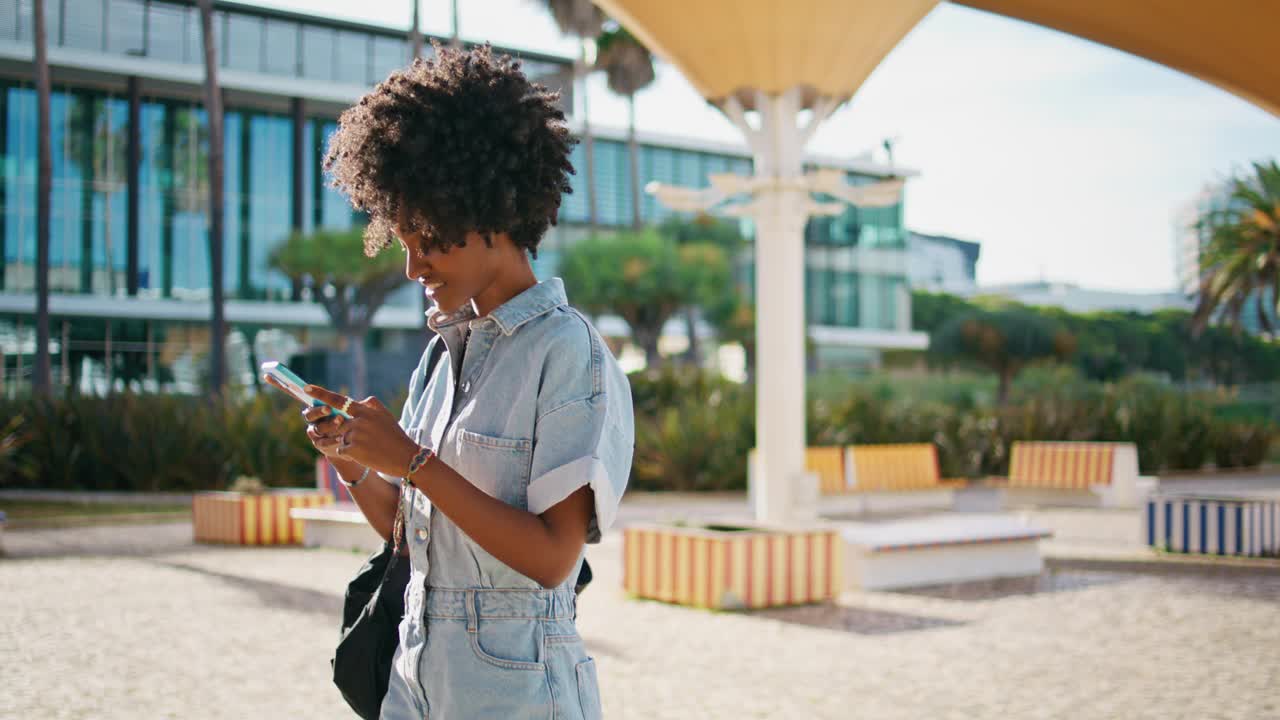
[(329, 397), (317, 413)]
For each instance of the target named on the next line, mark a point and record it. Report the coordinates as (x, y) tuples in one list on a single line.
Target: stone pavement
[(137, 621)]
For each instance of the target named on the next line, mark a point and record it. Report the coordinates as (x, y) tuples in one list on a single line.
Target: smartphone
[(294, 385)]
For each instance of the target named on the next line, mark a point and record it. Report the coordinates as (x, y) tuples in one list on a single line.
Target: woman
[(516, 449)]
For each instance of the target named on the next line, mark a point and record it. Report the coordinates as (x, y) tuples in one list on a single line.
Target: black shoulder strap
[(435, 350)]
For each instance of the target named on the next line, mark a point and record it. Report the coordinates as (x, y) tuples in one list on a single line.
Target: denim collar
[(510, 315)]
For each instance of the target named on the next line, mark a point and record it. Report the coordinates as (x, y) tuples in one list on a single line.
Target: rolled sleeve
[(585, 442)]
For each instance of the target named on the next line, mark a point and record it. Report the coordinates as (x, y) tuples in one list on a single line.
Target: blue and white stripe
[(1214, 526)]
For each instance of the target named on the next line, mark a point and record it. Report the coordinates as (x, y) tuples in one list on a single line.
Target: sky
[(1065, 159)]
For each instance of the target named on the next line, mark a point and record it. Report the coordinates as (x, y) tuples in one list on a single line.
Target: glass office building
[(129, 263)]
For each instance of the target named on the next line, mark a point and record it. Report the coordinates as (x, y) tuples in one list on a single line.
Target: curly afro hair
[(461, 142)]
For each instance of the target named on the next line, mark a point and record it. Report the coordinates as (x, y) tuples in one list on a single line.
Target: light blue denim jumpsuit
[(537, 408)]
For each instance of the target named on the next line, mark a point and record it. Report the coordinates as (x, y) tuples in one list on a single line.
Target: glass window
[(166, 36), (125, 26), (270, 193), (281, 47), (352, 53), (388, 54), (13, 15), (83, 28), (335, 211), (317, 53), (244, 43), (190, 197), (152, 181), (844, 299), (573, 206)]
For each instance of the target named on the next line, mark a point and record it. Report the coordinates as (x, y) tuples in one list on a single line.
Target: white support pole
[(781, 490), (781, 206)]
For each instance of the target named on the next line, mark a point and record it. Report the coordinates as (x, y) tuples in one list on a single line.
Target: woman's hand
[(372, 437), (324, 427)]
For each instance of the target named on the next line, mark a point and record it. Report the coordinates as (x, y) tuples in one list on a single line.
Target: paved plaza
[(137, 622)]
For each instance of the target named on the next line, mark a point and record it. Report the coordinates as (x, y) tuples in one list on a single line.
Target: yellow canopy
[(829, 47), (826, 47), (1229, 43)]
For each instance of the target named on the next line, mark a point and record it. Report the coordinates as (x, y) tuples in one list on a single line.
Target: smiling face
[(473, 271)]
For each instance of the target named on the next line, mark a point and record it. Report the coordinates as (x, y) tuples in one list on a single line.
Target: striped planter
[(238, 519), (1215, 525), (731, 570)]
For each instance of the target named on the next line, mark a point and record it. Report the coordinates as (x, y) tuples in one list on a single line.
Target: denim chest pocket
[(497, 465)]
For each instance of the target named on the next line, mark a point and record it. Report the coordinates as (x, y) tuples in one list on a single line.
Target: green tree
[(350, 286), (930, 311), (1003, 341), (709, 231), (1241, 261), (629, 67), (642, 278)]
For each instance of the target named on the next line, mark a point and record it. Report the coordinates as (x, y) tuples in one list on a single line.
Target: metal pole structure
[(781, 489), (780, 327)]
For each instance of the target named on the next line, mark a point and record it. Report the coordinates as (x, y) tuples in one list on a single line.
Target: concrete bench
[(340, 526), (1091, 474), (1241, 522), (880, 478), (936, 549)]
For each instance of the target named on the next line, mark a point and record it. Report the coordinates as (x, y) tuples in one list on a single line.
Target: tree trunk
[(693, 355), (359, 369), (588, 144), (633, 149), (456, 40), (41, 382), (648, 341), (415, 32), (213, 107), (251, 338)]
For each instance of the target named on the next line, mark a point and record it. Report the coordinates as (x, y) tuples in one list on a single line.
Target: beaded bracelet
[(424, 454)]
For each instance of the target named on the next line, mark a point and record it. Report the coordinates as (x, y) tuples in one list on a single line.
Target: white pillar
[(780, 212)]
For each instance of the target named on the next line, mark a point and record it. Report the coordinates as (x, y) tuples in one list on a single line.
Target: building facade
[(129, 272), (942, 264)]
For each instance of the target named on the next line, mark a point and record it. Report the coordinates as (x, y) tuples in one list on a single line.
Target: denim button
[(422, 533), (466, 387)]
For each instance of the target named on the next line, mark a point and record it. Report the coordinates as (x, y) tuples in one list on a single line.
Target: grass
[(41, 512)]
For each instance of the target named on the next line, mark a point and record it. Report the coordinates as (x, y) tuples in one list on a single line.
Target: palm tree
[(582, 20), (629, 66), (213, 107), (42, 382), (415, 33), (1241, 262)]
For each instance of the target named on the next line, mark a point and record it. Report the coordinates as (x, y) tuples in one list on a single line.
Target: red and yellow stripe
[(252, 519), (700, 568), (828, 464), (1061, 465), (906, 466)]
